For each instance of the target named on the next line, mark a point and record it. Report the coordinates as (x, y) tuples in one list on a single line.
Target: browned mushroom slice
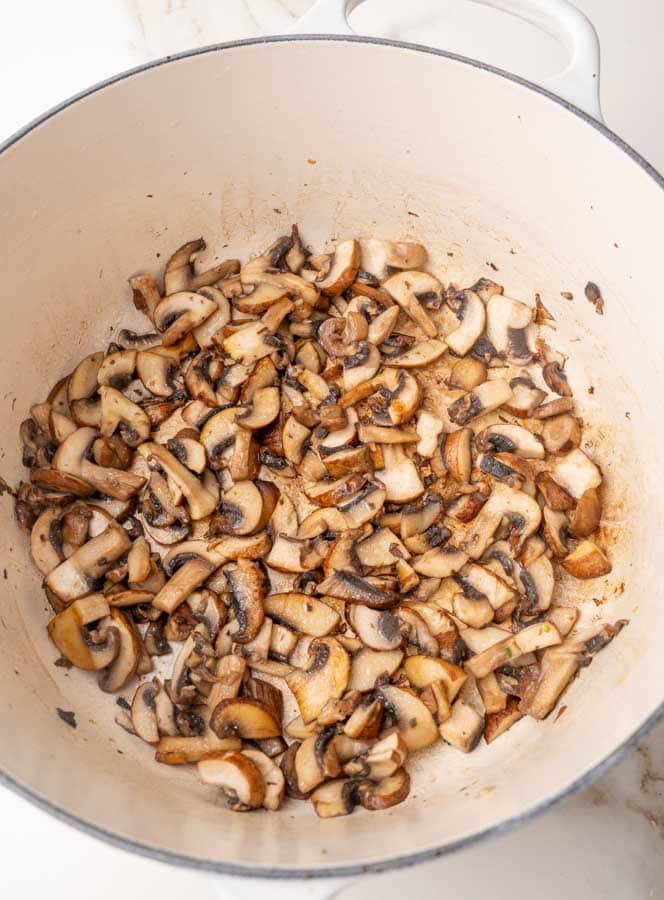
[(364, 505), (457, 454), (389, 792), (525, 397), (204, 334), (517, 506), (254, 546), (475, 613), (282, 642), (561, 434), (417, 519), (586, 517), (440, 562), (273, 778), (244, 717), (118, 410), (260, 299), (400, 397), (368, 666), (60, 426), (83, 380), (478, 583), (471, 313), (507, 438), (247, 585), (409, 289), (316, 760), (381, 327), (46, 540), (379, 257), (179, 313), (123, 667), (177, 750), (414, 721), (537, 583), (146, 294), (131, 597), (291, 554), (202, 375), (557, 407), (84, 648), (555, 497), (467, 374), (498, 723), (534, 637), (507, 322), (483, 399), (78, 575), (144, 711), (303, 613), (200, 502), (238, 776), (245, 509), (554, 529), (264, 409), (334, 493), (425, 670), (576, 474), (354, 589), (325, 679), (587, 561), (335, 798), (343, 269), (381, 434), (117, 369), (348, 460)]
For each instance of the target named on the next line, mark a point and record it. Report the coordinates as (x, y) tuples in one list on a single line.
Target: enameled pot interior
[(345, 138)]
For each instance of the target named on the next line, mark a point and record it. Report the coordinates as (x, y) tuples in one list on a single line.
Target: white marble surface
[(607, 842)]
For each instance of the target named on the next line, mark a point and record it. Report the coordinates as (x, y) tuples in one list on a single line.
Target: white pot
[(347, 137)]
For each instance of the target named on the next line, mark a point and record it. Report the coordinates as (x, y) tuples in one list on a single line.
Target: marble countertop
[(607, 842)]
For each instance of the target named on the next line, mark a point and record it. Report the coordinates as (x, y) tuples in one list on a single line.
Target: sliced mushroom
[(343, 269), (200, 502), (335, 798), (361, 365), (245, 509), (507, 322), (379, 257), (576, 474), (526, 397), (370, 666), (587, 561), (275, 784), (561, 434), (123, 667), (464, 728), (79, 574), (483, 399), (378, 630), (467, 374), (144, 711), (414, 721), (409, 289), (534, 637), (46, 540), (457, 454), (304, 613), (84, 648), (586, 517), (179, 313), (399, 476), (440, 562), (83, 382), (354, 589), (326, 677), (425, 670), (315, 761), (247, 585), (523, 512), (420, 355), (471, 312), (506, 438), (237, 775)]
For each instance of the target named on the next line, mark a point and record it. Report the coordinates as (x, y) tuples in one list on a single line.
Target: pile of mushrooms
[(322, 482)]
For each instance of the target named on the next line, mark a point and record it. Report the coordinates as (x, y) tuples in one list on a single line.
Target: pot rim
[(587, 778)]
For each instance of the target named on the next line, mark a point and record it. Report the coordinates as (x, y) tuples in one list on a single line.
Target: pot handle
[(231, 888), (578, 83)]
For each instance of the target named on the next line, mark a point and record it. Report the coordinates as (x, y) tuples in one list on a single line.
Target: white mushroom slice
[(587, 561), (343, 269), (377, 629), (505, 652), (399, 476), (200, 502), (416, 631), (83, 380), (213, 324), (414, 520), (382, 548), (525, 398), (466, 374), (368, 666), (282, 642), (464, 728), (422, 354), (576, 474), (425, 670), (414, 721), (361, 365), (273, 778), (326, 678), (246, 508), (517, 506), (83, 648), (408, 289), (429, 428), (506, 438), (561, 434), (237, 775), (291, 554), (146, 294), (385, 757), (60, 426), (185, 580), (383, 325), (475, 613), (537, 582), (77, 575), (179, 313), (260, 299), (315, 760), (483, 399), (46, 540), (123, 667), (320, 521), (441, 562), (364, 505), (379, 256), (478, 583), (117, 410), (507, 321), (117, 369), (471, 312)]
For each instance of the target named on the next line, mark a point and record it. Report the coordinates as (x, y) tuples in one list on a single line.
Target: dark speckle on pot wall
[(67, 716), (594, 295)]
